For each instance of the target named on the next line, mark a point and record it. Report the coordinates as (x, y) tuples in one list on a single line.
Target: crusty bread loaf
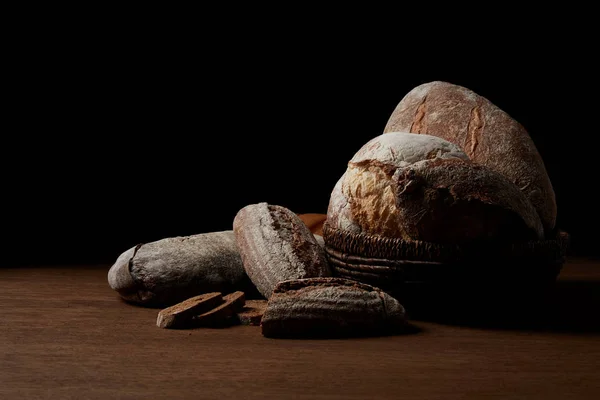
[(454, 202), (487, 134), (275, 245), (170, 270), (422, 187), (326, 307), (363, 193)]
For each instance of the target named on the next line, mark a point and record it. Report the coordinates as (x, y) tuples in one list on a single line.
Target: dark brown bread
[(220, 315), (488, 135), (252, 312), (168, 271), (275, 245), (330, 307), (180, 315)]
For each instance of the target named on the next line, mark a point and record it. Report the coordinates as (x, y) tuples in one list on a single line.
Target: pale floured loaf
[(170, 270), (422, 187)]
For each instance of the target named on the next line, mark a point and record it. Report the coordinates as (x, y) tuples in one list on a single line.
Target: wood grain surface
[(64, 334)]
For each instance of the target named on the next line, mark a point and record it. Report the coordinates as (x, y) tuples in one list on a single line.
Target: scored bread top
[(275, 245), (487, 134), (421, 187)]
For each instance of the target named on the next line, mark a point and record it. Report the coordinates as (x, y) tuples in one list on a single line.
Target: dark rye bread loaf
[(168, 271), (487, 134), (421, 187), (275, 245), (325, 307)]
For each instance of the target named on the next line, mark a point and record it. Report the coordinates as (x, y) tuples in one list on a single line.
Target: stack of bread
[(453, 191)]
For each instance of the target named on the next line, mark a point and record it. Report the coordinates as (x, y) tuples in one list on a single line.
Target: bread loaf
[(487, 134), (422, 187), (452, 201), (275, 245), (363, 198), (170, 270), (325, 307)]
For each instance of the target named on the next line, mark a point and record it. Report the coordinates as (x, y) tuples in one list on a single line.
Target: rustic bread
[(488, 135), (421, 187), (330, 307), (456, 202), (275, 245), (363, 198), (171, 270)]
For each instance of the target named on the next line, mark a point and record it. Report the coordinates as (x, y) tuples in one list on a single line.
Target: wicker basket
[(390, 262)]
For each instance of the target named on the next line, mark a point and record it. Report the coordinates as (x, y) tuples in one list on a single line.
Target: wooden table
[(64, 334)]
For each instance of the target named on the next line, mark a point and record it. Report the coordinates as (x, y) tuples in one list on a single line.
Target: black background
[(122, 137)]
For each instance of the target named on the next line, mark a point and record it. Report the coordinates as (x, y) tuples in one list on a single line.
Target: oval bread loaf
[(168, 271), (275, 245), (330, 307)]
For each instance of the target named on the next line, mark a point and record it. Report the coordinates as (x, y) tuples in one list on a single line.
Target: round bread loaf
[(487, 134), (422, 187), (363, 198)]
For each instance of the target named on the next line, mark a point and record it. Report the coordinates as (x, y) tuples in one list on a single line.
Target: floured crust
[(421, 187), (453, 202), (402, 148), (339, 212), (170, 270), (275, 245), (330, 307), (364, 199), (487, 134)]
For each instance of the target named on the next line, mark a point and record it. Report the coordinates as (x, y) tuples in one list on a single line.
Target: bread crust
[(487, 134), (275, 245), (170, 270), (454, 202), (421, 187), (330, 307)]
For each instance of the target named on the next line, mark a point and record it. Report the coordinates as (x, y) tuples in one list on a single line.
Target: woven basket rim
[(379, 249)]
